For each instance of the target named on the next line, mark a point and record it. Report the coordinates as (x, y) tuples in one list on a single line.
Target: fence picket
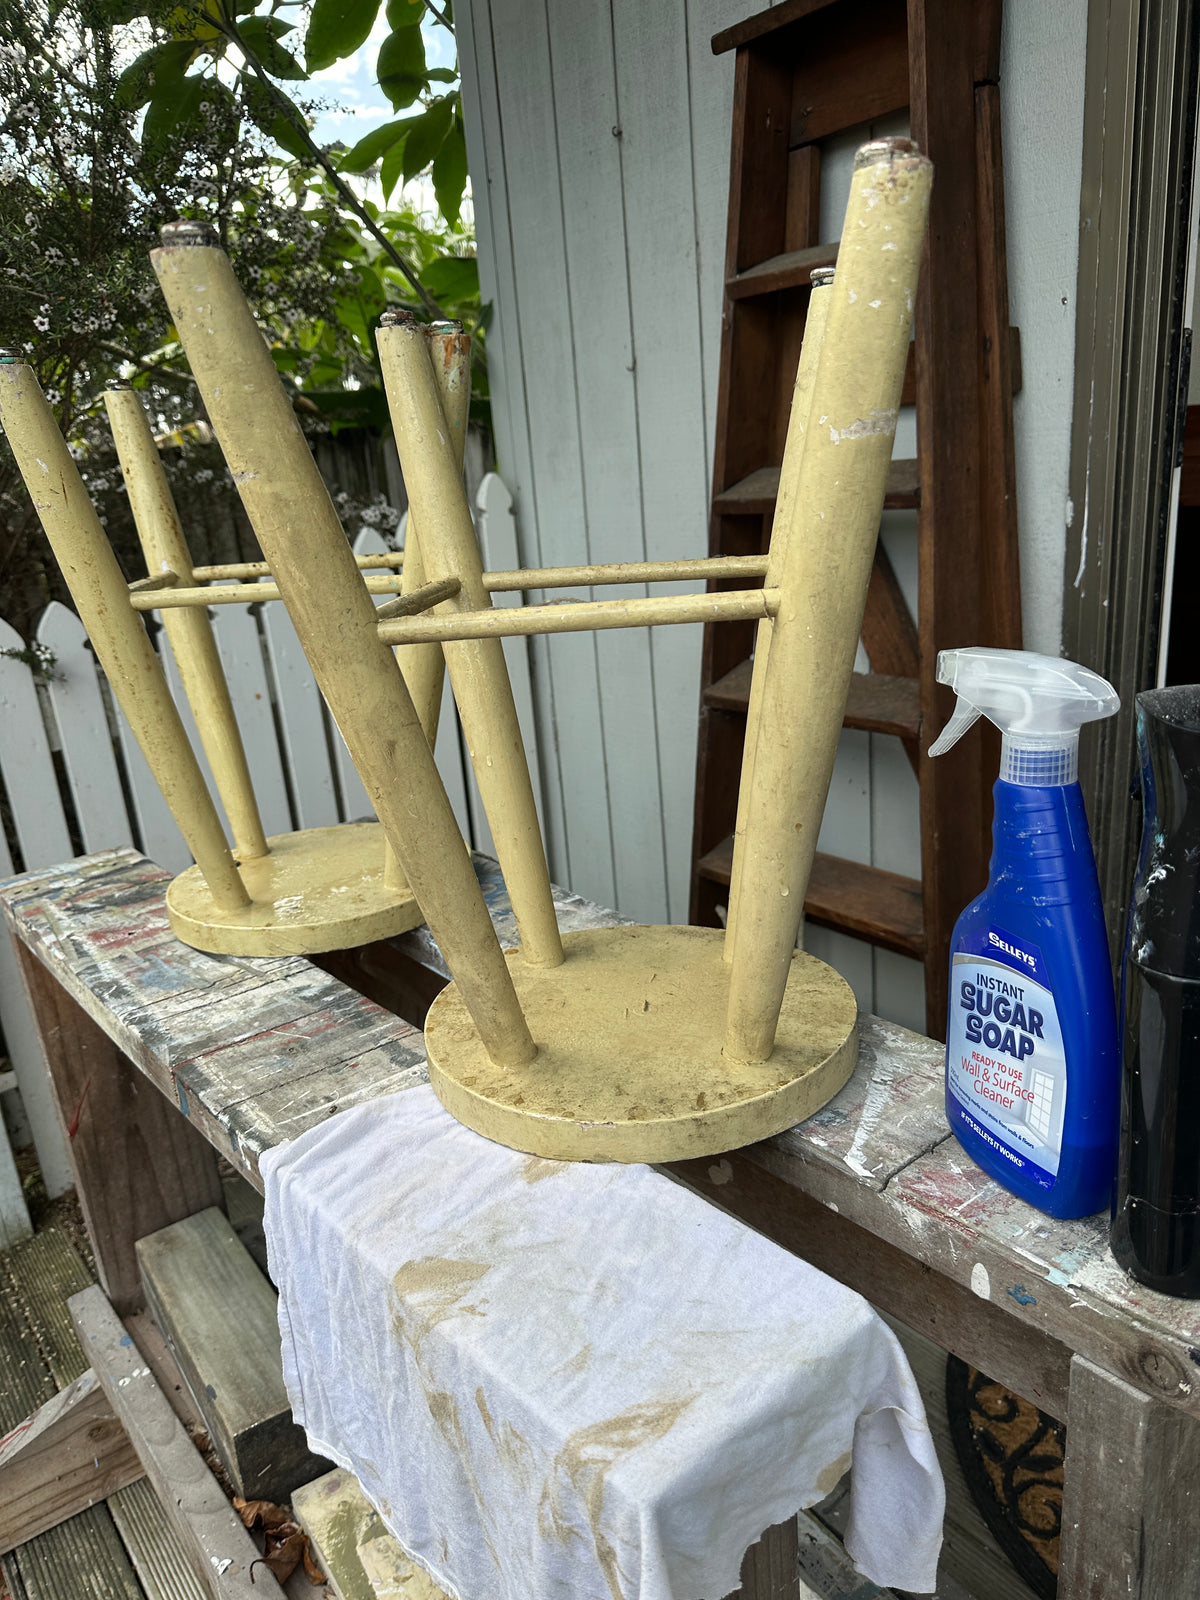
[(241, 654), (497, 524), (301, 722), (41, 835), (87, 744), (161, 839), (26, 764)]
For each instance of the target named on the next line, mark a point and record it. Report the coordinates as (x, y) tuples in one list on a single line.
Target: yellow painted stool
[(292, 894), (627, 1044)]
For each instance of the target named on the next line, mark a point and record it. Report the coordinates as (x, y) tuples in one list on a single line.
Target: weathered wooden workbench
[(873, 1189)]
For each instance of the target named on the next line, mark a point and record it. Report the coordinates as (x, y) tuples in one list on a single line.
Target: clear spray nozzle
[(1039, 703)]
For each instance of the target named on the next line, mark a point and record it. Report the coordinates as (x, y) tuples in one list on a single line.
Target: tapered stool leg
[(118, 635), (424, 665), (785, 512), (477, 668), (187, 627), (303, 541), (823, 577)]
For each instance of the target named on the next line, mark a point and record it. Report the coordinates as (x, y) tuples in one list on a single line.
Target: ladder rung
[(755, 493), (866, 902), (877, 702), (788, 271)]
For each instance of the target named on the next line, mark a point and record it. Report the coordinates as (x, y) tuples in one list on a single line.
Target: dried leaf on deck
[(283, 1560), (265, 1511)]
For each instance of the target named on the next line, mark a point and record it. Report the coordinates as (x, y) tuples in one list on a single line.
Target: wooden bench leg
[(771, 1568), (1132, 1493), (138, 1163)]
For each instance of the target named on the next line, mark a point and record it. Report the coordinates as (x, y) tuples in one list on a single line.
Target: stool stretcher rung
[(581, 616)]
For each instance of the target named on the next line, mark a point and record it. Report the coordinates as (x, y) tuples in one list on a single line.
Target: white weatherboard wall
[(598, 137)]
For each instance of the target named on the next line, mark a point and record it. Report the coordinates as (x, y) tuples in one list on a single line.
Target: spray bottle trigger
[(965, 716)]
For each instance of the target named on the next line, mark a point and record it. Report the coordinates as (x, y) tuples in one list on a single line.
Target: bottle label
[(1005, 1064)]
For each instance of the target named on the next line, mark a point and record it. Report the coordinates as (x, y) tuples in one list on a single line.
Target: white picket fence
[(301, 771)]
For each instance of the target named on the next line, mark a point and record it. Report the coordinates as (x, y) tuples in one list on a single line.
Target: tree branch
[(347, 195), (157, 369)]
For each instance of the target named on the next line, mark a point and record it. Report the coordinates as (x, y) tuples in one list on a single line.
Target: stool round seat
[(317, 889), (629, 1066)]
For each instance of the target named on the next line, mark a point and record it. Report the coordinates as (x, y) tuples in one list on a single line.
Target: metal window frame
[(1143, 68)]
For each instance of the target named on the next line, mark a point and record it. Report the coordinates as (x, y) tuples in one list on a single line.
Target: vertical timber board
[(301, 722), (138, 1163), (710, 90), (659, 196), (497, 526), (592, 139), (178, 694), (486, 159), (523, 75), (87, 746), (161, 839), (26, 765), (240, 648), (1131, 1493), (942, 47)]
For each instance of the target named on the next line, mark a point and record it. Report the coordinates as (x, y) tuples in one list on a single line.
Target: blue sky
[(352, 82)]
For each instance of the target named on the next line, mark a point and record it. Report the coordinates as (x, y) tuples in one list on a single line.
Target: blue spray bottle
[(1032, 1071)]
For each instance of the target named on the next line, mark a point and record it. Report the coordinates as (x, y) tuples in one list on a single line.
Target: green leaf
[(452, 278), (392, 170), (450, 173), (401, 67), (193, 21), (172, 108), (152, 72), (261, 34), (441, 75), (336, 29), (287, 128), (404, 13), (426, 136), (372, 146)]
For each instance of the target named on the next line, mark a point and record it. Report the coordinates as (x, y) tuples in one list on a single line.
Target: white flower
[(42, 324)]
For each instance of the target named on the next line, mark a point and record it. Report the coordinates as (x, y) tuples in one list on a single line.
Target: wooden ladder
[(807, 70)]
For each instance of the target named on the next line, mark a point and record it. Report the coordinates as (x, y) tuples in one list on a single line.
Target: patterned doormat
[(1011, 1455)]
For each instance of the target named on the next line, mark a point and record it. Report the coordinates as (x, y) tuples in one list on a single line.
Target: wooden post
[(824, 575), (477, 668), (302, 539), (188, 628), (138, 1164), (1130, 1493), (119, 637), (785, 511), (423, 665)]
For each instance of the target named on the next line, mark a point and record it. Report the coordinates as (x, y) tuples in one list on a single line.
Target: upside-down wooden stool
[(294, 893), (633, 1043)]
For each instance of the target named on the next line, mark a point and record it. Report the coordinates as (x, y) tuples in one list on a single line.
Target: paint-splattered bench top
[(256, 1050)]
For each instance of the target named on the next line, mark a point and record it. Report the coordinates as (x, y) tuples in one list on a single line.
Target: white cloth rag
[(561, 1381)]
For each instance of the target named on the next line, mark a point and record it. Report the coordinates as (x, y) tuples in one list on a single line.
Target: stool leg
[(306, 549), (118, 635), (188, 628), (785, 511), (477, 669), (824, 573), (424, 665)]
